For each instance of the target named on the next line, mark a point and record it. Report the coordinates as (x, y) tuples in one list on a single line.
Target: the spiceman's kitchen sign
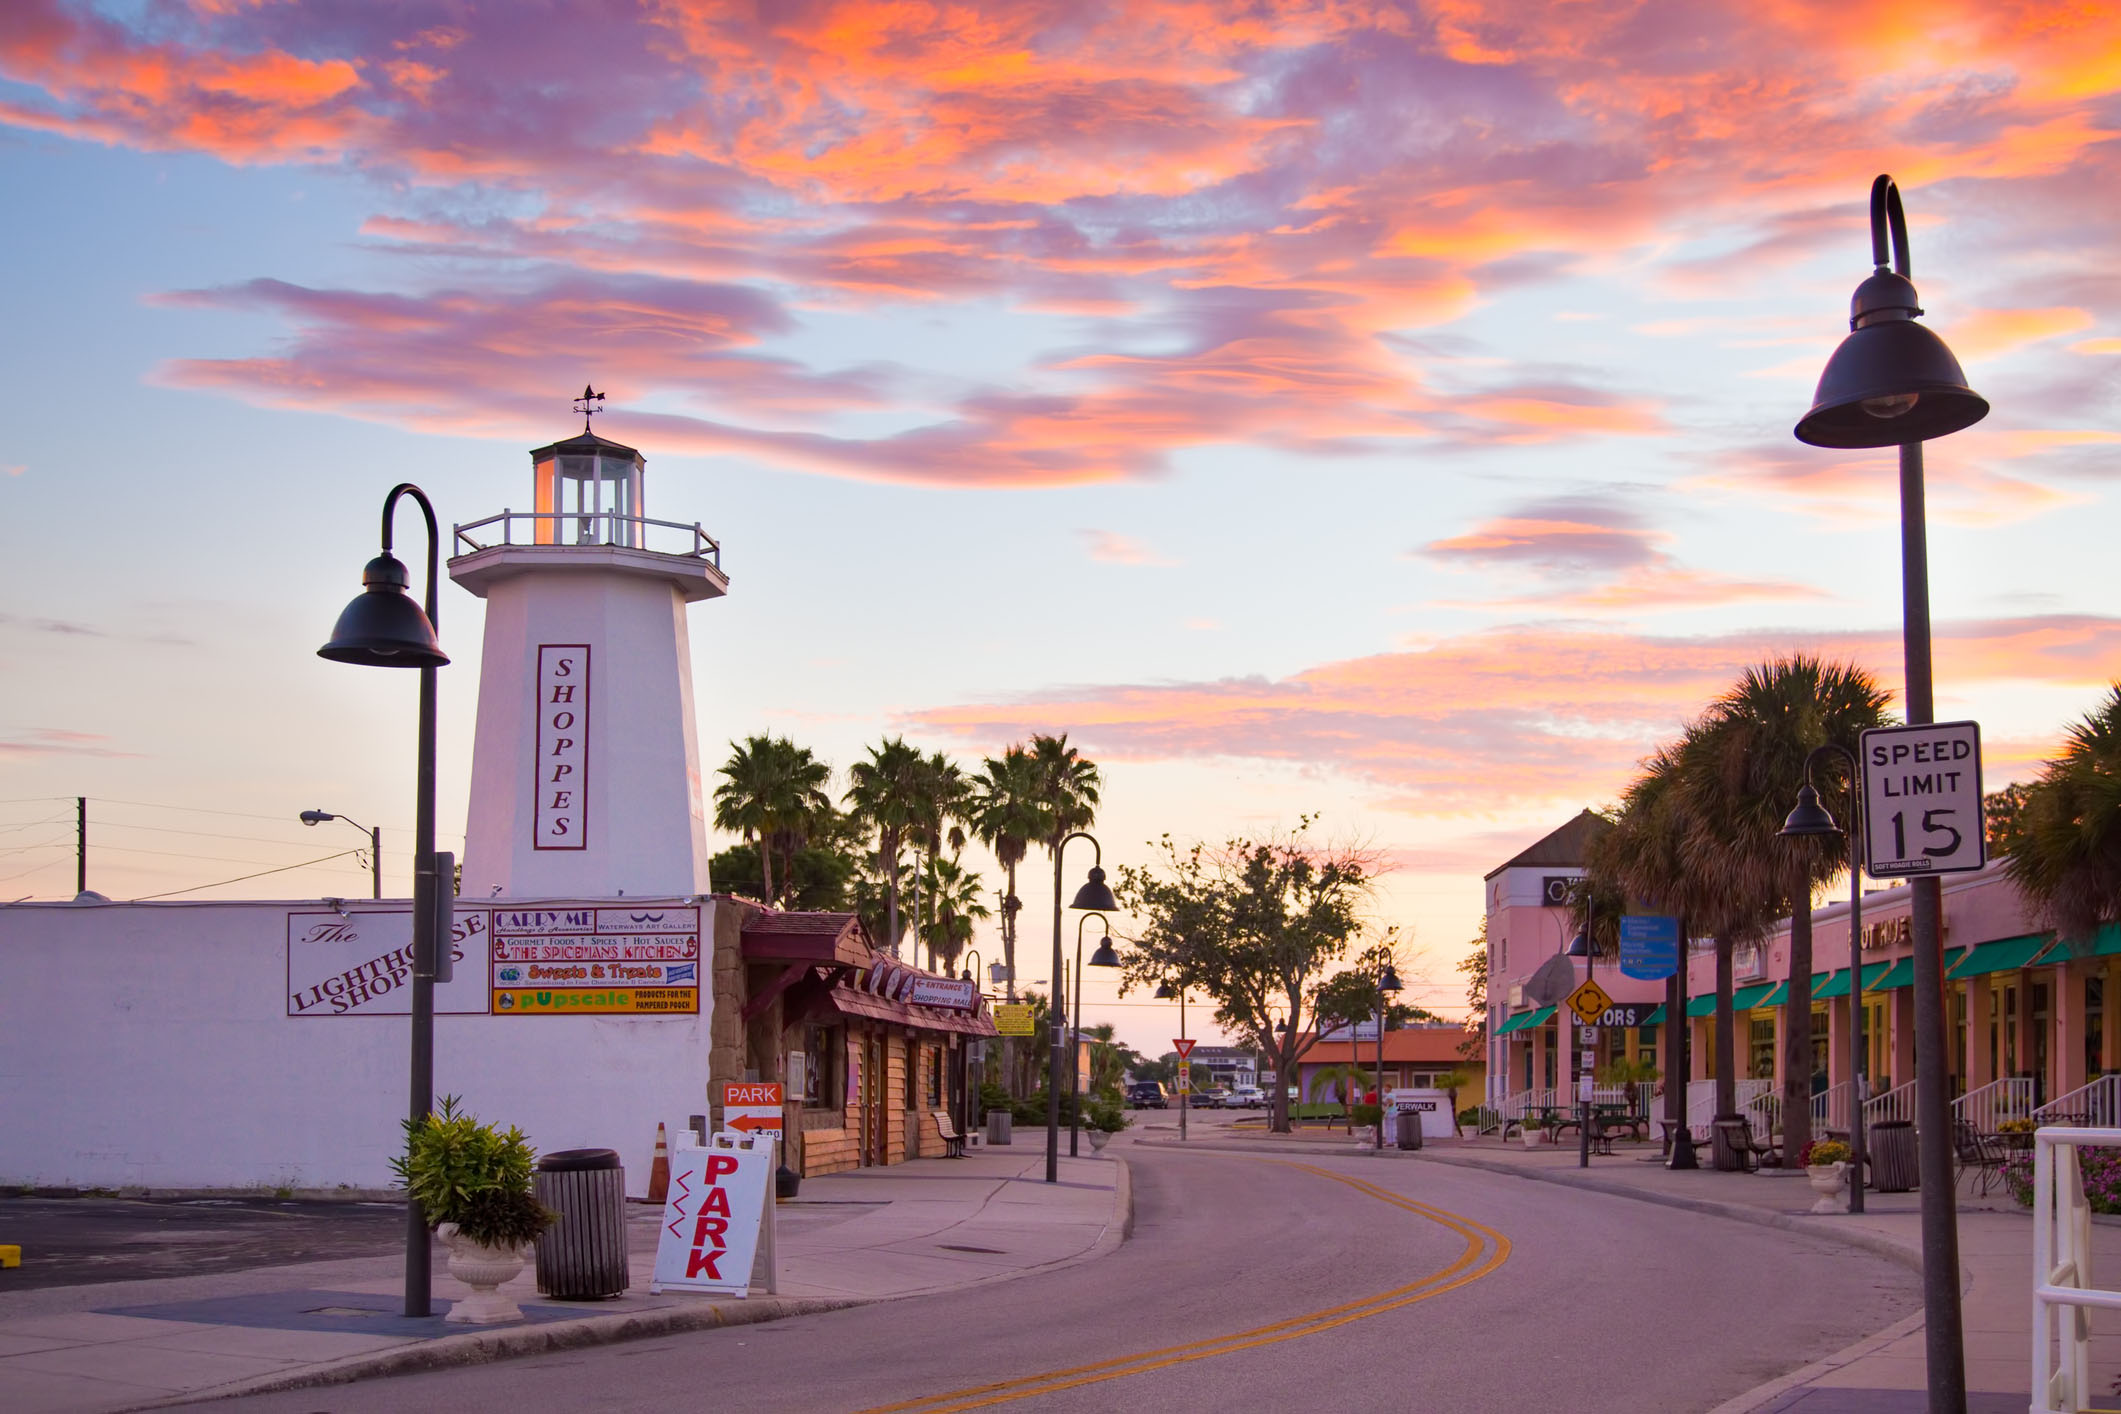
[(578, 960), (359, 963)]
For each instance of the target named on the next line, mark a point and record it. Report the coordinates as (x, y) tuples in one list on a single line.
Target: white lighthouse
[(585, 774)]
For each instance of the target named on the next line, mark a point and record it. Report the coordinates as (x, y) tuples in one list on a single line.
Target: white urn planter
[(1534, 1136), (483, 1269), (1830, 1182), (1099, 1138)]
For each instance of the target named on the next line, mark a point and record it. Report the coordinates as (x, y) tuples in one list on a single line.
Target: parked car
[(1147, 1095), (1213, 1100), (1248, 1097)]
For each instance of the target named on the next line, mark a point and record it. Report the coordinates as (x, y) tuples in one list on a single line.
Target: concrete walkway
[(869, 1235), (1881, 1375)]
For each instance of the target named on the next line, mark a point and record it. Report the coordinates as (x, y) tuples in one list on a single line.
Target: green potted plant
[(472, 1183), (1103, 1119), (1826, 1164)]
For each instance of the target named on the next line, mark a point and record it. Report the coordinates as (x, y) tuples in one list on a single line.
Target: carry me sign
[(1922, 799), (359, 963), (720, 1199)]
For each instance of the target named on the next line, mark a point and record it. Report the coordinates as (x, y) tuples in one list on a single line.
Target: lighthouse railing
[(599, 528)]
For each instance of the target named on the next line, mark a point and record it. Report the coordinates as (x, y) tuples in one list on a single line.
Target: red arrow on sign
[(749, 1122), (1185, 1047)]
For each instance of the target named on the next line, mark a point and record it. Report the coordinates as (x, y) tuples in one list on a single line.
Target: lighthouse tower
[(585, 775)]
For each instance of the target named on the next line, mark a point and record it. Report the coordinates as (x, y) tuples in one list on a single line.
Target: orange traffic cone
[(659, 1171)]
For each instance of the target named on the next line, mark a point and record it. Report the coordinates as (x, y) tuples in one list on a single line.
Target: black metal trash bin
[(582, 1257), (1891, 1148), (1409, 1129), (1727, 1154), (999, 1123)]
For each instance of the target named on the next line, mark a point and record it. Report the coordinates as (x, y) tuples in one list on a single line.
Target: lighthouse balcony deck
[(599, 529)]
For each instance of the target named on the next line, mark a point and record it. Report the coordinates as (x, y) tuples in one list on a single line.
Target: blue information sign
[(1649, 946)]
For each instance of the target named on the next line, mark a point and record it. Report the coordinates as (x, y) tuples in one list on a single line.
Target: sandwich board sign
[(752, 1107), (1922, 800), (721, 1201)]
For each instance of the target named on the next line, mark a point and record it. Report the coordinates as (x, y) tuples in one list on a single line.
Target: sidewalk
[(1879, 1375), (867, 1235)]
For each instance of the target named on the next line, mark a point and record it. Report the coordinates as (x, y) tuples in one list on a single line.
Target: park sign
[(1013, 1019), (1922, 800), (1649, 946), (752, 1107)]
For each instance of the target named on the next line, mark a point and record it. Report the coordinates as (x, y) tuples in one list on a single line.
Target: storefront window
[(824, 1068), (913, 1074), (2094, 1025), (1762, 1051)]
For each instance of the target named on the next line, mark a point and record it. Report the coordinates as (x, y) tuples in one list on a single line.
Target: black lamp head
[(1094, 894), (1165, 992), (1388, 980), (384, 627), (1105, 956), (967, 977), (317, 817), (1892, 380), (1579, 946), (1809, 817)]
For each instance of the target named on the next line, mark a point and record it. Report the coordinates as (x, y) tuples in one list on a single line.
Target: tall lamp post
[(1893, 383), (384, 628), (1094, 894), (1582, 946), (1811, 818), (1105, 956), (1387, 981), (970, 1117), (375, 843)]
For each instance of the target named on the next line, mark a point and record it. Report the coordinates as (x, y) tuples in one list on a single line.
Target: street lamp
[(1893, 383), (1105, 956), (1387, 981), (375, 842), (1092, 895), (1582, 946), (971, 1110), (384, 628), (1184, 1074), (1810, 818)]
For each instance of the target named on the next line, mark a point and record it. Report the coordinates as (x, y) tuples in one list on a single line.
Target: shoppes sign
[(359, 963)]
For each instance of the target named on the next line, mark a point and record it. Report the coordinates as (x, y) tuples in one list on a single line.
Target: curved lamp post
[(1094, 894), (375, 843), (1810, 818), (1387, 981), (1104, 956), (1893, 383), (1581, 946), (384, 628)]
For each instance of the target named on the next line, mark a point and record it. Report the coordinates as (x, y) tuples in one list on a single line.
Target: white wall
[(150, 1045)]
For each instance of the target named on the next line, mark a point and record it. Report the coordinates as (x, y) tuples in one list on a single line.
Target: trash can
[(1408, 1126), (1891, 1146), (1726, 1155), (582, 1257), (998, 1126)]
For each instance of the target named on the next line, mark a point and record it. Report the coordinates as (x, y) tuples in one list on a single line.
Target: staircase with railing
[(1830, 1108), (1701, 1102), (1895, 1104), (1987, 1107), (2097, 1105)]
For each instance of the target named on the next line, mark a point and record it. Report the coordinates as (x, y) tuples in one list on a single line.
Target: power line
[(172, 893), (203, 810), (31, 870), (198, 834)]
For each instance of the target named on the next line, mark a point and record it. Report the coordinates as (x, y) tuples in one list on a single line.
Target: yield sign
[(1183, 1047), (1589, 1002)]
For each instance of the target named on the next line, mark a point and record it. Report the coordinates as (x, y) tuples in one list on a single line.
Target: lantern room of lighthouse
[(585, 771)]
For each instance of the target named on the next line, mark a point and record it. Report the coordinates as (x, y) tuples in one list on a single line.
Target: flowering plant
[(2015, 1126), (1821, 1152), (2099, 1168)]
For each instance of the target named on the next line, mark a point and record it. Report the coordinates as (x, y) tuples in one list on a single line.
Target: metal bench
[(953, 1142)]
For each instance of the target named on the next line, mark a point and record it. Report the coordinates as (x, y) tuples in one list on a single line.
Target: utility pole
[(375, 858), (80, 844)]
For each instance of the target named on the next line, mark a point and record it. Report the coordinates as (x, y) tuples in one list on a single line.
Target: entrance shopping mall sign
[(1922, 800)]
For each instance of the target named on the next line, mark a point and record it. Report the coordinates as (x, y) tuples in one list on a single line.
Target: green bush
[(1105, 1115), (1477, 1118), (464, 1172), (1369, 1116)]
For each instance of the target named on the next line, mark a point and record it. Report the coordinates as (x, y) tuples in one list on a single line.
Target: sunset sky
[(1365, 410)]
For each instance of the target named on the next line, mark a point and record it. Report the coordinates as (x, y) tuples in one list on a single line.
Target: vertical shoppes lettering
[(562, 763)]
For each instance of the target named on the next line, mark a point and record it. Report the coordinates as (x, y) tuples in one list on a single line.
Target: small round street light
[(1103, 957), (1163, 992), (1093, 895), (375, 843), (1809, 818)]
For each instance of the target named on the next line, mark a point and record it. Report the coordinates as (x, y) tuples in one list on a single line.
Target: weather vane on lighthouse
[(587, 406)]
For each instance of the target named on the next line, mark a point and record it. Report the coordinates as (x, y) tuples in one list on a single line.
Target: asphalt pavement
[(1313, 1282), (77, 1241)]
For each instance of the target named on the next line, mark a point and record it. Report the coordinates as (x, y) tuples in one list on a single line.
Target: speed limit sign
[(1922, 800)]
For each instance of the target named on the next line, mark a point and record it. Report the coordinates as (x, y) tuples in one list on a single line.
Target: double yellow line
[(1485, 1250)]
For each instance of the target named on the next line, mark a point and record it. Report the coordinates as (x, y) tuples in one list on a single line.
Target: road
[(76, 1241), (1261, 1284)]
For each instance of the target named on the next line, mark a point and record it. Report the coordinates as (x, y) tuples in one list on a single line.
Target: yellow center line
[(1485, 1250)]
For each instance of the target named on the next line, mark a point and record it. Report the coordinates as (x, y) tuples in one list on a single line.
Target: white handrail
[(1830, 1107), (2062, 1269), (1986, 1108), (2097, 1104), (562, 528), (1895, 1104)]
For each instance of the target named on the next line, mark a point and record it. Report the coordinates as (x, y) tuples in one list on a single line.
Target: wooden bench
[(953, 1142)]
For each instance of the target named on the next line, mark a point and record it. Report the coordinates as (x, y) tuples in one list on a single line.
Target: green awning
[(1780, 993), (2002, 955), (1655, 1018), (1838, 984), (1525, 1020), (1743, 999), (1902, 972)]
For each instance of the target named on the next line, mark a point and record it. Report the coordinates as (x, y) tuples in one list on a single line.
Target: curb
[(1909, 1257), (488, 1347)]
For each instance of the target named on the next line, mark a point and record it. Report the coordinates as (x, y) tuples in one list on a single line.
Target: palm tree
[(1348, 1080), (772, 791), (957, 900), (942, 796), (1068, 786), (1006, 816), (884, 792), (1742, 766), (2064, 843)]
